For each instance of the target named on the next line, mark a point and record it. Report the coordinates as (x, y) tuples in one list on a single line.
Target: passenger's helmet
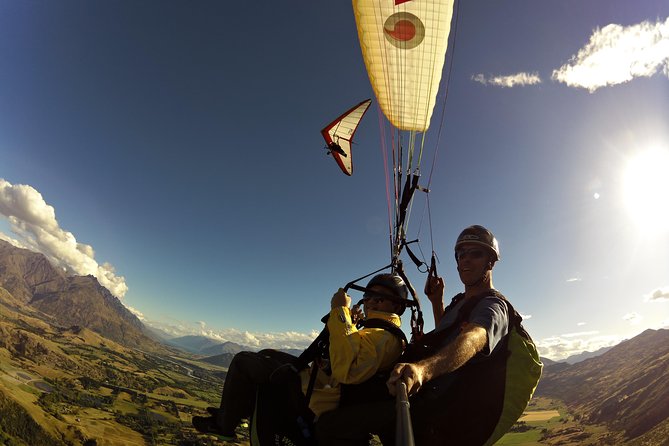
[(479, 235), (392, 282), (395, 284)]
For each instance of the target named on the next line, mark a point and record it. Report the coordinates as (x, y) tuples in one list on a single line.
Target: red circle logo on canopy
[(404, 30)]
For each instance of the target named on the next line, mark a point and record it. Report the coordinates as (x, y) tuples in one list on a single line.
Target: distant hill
[(31, 281), (192, 343), (223, 360), (573, 359), (226, 347), (202, 345), (547, 361), (292, 351), (626, 387), (157, 333)]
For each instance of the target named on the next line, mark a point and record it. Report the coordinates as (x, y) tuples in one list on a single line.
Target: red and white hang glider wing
[(339, 134)]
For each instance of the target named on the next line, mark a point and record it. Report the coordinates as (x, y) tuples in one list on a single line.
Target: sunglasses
[(474, 253), (371, 296), (375, 299)]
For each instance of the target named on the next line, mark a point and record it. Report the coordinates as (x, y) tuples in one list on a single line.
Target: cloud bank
[(563, 346), (616, 54), (658, 295), (34, 222), (512, 80), (277, 340)]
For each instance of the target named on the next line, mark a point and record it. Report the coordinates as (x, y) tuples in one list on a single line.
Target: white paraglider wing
[(404, 45)]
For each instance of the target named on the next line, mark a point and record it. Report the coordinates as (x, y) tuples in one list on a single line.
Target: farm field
[(104, 394)]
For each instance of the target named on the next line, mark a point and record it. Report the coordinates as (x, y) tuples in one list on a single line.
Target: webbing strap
[(386, 325), (312, 381)]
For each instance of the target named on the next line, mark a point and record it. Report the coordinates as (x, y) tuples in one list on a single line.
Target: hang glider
[(339, 135)]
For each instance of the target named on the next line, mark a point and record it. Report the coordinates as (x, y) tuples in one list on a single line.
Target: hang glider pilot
[(334, 147)]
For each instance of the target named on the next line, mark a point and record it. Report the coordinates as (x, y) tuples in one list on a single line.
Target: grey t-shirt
[(490, 313)]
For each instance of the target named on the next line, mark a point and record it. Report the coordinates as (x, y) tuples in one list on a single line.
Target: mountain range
[(203, 345), (33, 284), (44, 313), (626, 388)]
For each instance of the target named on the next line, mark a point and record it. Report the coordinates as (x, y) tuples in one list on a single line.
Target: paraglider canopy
[(404, 46)]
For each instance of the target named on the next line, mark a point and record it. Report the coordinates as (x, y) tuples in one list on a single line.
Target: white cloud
[(287, 339), (574, 279), (137, 313), (579, 334), (633, 318), (480, 78), (512, 80), (561, 347), (34, 222), (658, 295), (616, 54), (580, 324), (13, 241)]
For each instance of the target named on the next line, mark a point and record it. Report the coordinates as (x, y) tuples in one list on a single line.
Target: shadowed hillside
[(627, 387)]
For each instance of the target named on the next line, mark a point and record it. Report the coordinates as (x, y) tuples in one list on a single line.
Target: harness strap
[(435, 338), (312, 382), (386, 325)]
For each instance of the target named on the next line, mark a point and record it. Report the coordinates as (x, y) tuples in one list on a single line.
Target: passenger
[(355, 356)]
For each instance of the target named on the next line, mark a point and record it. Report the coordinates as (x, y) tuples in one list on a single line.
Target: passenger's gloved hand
[(340, 299), (356, 314)]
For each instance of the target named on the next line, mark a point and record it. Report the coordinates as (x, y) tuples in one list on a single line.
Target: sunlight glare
[(646, 189)]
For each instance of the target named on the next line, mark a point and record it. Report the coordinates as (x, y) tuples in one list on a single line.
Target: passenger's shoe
[(213, 411), (208, 425)]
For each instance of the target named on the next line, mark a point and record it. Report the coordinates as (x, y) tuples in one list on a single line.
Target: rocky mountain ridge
[(32, 282)]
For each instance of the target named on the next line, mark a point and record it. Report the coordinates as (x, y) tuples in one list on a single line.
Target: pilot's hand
[(411, 374), (434, 289)]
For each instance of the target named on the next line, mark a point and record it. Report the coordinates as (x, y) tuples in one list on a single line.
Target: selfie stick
[(404, 430)]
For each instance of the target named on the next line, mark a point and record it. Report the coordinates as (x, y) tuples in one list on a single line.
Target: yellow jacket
[(355, 356)]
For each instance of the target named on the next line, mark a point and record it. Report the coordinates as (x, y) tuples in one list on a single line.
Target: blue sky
[(172, 149)]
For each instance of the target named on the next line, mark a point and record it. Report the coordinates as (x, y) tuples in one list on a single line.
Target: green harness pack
[(523, 371)]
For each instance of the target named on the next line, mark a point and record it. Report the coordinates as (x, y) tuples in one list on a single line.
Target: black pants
[(247, 371), (464, 413)]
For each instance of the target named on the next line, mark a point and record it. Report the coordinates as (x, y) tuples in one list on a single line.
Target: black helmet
[(395, 284), (392, 282), (481, 236)]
